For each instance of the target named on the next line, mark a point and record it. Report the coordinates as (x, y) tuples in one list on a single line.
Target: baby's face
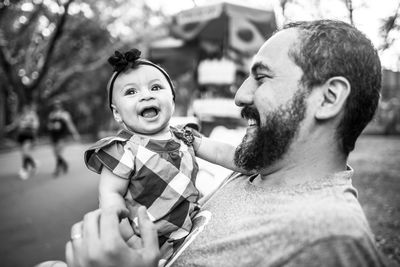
[(143, 100)]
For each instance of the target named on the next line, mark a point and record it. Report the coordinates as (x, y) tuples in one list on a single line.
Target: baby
[(149, 162)]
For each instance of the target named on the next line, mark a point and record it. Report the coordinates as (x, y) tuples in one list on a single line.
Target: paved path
[(36, 214)]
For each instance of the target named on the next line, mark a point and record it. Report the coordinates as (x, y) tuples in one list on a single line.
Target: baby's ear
[(117, 116), (335, 92)]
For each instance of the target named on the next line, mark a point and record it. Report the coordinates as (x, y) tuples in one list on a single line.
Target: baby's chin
[(156, 133)]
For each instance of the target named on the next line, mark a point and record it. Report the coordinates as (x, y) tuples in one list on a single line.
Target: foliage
[(29, 33), (376, 176), (316, 9), (390, 26), (58, 49)]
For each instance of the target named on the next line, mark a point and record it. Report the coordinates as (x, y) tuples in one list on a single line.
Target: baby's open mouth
[(149, 112)]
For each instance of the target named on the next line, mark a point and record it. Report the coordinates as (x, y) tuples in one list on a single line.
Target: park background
[(57, 49)]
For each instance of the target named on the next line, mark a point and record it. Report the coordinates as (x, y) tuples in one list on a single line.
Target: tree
[(390, 25), (28, 36), (349, 6), (53, 49), (282, 5)]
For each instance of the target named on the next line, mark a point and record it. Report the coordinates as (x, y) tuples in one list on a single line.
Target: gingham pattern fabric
[(162, 177)]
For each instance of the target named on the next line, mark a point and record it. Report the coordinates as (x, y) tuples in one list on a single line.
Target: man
[(313, 88)]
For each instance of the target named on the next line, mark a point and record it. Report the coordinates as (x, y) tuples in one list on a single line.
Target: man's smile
[(251, 122), (251, 115)]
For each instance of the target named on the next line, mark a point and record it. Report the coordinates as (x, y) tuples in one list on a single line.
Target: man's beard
[(266, 145)]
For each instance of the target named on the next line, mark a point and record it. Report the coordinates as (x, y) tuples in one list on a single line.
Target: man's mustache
[(250, 112)]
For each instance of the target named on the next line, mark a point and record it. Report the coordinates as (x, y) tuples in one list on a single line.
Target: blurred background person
[(60, 126), (27, 125)]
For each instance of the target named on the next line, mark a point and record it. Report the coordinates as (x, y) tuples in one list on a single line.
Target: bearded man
[(312, 89)]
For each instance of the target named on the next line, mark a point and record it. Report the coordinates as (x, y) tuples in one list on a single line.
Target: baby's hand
[(135, 223), (135, 226)]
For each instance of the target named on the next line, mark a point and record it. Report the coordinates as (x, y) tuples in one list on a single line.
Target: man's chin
[(263, 146), (251, 128), (246, 154)]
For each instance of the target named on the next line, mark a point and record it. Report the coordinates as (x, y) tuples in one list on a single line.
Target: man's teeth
[(251, 122)]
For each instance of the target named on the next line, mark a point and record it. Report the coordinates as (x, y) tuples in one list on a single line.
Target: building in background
[(207, 52)]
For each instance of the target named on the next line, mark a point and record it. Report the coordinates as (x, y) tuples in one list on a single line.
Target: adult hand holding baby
[(100, 242)]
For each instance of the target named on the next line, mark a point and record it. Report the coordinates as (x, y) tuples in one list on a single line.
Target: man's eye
[(156, 87), (261, 76)]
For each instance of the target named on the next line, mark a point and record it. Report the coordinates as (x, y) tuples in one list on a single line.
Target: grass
[(376, 161)]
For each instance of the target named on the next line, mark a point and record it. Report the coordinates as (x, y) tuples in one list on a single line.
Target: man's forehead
[(275, 48)]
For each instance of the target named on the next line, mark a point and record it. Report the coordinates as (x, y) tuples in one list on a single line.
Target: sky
[(367, 16)]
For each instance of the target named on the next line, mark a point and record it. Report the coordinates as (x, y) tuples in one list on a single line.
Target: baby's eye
[(130, 91), (156, 87)]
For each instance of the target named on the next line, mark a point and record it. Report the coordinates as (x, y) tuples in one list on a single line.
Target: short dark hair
[(328, 48)]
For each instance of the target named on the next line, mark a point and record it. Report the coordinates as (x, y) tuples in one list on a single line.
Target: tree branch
[(349, 5), (78, 69), (34, 16), (52, 43), (11, 76), (388, 25)]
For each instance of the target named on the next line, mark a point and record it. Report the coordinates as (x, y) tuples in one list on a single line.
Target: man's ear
[(117, 116), (335, 92)]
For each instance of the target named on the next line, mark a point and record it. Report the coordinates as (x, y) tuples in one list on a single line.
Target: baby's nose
[(146, 95)]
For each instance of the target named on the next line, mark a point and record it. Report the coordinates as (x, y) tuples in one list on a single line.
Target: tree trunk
[(349, 5)]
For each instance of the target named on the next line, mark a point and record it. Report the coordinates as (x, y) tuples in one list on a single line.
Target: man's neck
[(304, 163)]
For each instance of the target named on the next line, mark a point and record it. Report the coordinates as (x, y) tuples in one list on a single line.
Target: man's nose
[(244, 95)]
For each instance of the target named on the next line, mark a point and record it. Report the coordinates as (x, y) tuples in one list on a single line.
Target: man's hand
[(97, 242)]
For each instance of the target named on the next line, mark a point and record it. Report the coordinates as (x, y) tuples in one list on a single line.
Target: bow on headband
[(120, 61)]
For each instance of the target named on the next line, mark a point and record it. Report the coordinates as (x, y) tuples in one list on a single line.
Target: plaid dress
[(162, 177)]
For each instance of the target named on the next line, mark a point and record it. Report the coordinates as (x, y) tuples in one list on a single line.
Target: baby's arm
[(216, 152), (112, 189), (111, 193)]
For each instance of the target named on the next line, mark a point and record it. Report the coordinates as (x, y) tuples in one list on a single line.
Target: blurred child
[(60, 125), (27, 125), (149, 162)]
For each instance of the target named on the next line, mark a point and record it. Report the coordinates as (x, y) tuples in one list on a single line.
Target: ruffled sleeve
[(113, 153)]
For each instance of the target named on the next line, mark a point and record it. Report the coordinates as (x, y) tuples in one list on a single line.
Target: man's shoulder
[(329, 223), (341, 250), (330, 214)]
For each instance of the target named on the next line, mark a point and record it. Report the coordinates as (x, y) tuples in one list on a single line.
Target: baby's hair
[(131, 59)]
